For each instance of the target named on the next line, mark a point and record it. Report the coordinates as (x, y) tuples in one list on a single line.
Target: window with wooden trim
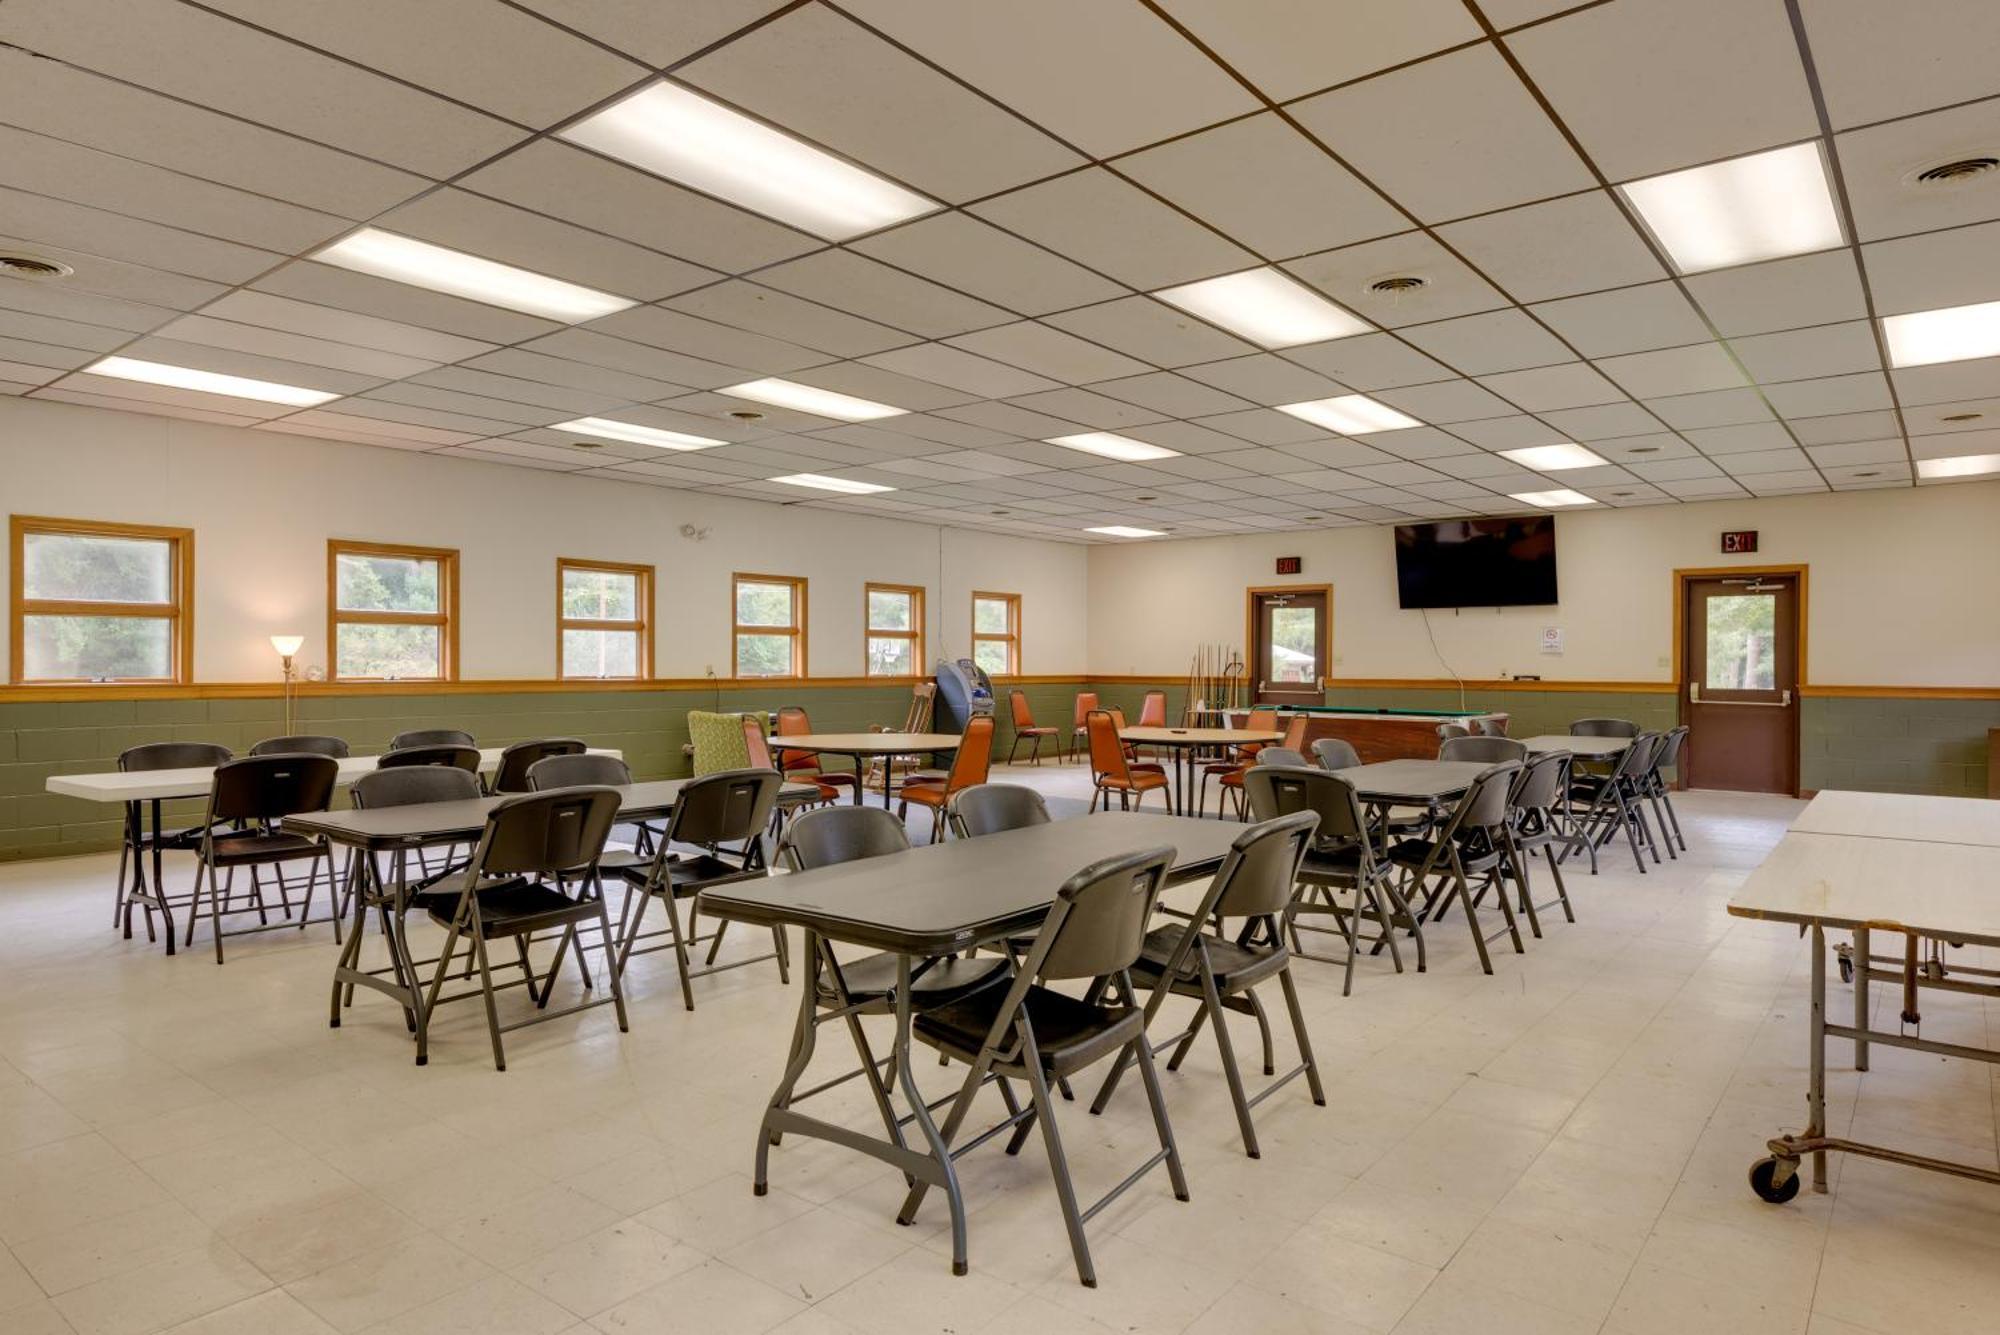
[(895, 629), (604, 621), (996, 633), (769, 614), (392, 612), (98, 602)]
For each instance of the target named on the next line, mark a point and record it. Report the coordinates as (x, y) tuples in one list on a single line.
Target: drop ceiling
[(184, 159)]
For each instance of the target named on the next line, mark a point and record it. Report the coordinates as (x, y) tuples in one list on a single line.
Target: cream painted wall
[(1904, 591), (263, 505)]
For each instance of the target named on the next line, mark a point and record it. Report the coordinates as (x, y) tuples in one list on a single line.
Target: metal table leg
[(1816, 1081), (1860, 957)]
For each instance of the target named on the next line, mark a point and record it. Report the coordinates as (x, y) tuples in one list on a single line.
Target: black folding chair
[(403, 741), (1616, 801), (139, 843), (306, 744), (1482, 750), (1667, 757), (255, 794), (456, 755), (1534, 810), (989, 808), (511, 775)]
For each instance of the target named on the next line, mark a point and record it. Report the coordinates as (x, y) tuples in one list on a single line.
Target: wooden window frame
[(446, 617), (642, 604), (797, 630), (915, 635), (179, 619), (1012, 639)]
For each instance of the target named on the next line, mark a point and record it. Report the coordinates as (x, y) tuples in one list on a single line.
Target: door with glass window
[(1740, 682), (1289, 634)]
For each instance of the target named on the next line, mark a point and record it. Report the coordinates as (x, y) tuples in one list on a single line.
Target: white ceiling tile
[(961, 370), (655, 33), (1879, 473), (1050, 352), (1781, 294), (348, 427), (365, 294), (261, 365), (160, 404), (1765, 461), (99, 276), (1834, 394), (1507, 433), (620, 354), (1858, 453), (1018, 422), (1629, 319), (1784, 484), (1720, 407), (1263, 426), (1449, 288), (1105, 77), (265, 311), (1945, 447), (1264, 378), (1495, 341), (882, 385), (1703, 488), (1949, 382), (814, 72), (964, 253), (1676, 470), (1575, 385), (54, 356), (401, 404), (1629, 450), (1369, 362), (1921, 273), (1604, 421), (63, 302), (1292, 47), (1151, 331), (1445, 401), (1800, 354), (1187, 437), (64, 333), (1556, 249), (293, 347), (131, 240), (1881, 165), (1115, 228), (1422, 442), (1452, 136), (659, 327), (1080, 405), (1173, 395), (1744, 438), (1928, 419), (874, 291), (1650, 85), (1689, 370), (1334, 452), (776, 314), (1267, 185), (574, 402), (471, 405), (1876, 61), (1843, 427)]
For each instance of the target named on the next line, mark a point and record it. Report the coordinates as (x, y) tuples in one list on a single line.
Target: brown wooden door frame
[(1250, 647), (1685, 577)]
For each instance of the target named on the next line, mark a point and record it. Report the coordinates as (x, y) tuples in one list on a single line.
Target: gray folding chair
[(1254, 884), (254, 795), (1616, 801), (1534, 808), (1280, 755), (305, 744), (1474, 841), (575, 769), (1482, 750), (989, 808), (1488, 727), (403, 741), (1668, 757), (139, 843), (511, 775), (1603, 727), (455, 755), (1447, 731), (1030, 1031), (1335, 753)]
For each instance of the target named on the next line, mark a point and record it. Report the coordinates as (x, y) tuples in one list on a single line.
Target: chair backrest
[(793, 722), (754, 745), (577, 770), (1153, 710), (452, 755), (1447, 731), (403, 741), (1017, 701), (1279, 755), (834, 835), (1107, 752), (923, 696), (1262, 720), (1085, 702), (723, 808), (1489, 727), (989, 808), (1484, 750), (1540, 782), (301, 746), (1117, 717), (1335, 753), (1257, 877), (411, 786), (562, 830), (1284, 790), (718, 742), (268, 787), (1295, 733), (516, 760), (1670, 750), (1603, 727), (1638, 757), (1098, 923), (973, 761), (173, 755), (1484, 806)]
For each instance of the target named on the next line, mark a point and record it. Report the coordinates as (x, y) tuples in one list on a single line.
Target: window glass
[(989, 616), (888, 610), (89, 648), (600, 595), (889, 657), (759, 604), (763, 655), (1742, 637), (85, 568), (600, 653), (991, 655), (364, 649), (366, 583), (1294, 644)]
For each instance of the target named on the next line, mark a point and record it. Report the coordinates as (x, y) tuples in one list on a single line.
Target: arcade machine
[(964, 690)]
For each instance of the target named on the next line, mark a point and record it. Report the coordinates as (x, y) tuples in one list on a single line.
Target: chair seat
[(808, 774), (873, 977), (511, 907), (246, 848), (1034, 732), (1236, 967), (1142, 781), (1070, 1034), (690, 874), (1333, 866), (924, 793), (1475, 857)]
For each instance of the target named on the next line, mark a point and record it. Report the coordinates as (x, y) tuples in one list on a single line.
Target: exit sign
[(1291, 565), (1742, 540)]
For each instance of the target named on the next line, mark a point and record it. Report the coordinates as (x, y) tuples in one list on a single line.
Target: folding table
[(1584, 748), (864, 746), (1186, 744)]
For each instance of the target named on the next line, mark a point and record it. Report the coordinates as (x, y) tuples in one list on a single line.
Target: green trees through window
[(391, 612), (770, 621), (99, 602)]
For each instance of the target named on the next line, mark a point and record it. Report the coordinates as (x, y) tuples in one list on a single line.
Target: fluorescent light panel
[(1265, 307), (209, 382), (1551, 500), (633, 433), (677, 133), (807, 399), (1126, 531), (1959, 465), (1736, 212), (1350, 414), (1122, 448), (420, 264), (1554, 458), (820, 482), (1953, 334)]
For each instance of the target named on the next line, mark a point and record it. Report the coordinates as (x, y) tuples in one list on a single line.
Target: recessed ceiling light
[(1753, 208), (820, 482), (1953, 334), (1265, 307), (1553, 458), (677, 133), (1114, 447), (1551, 500), (635, 434), (209, 382), (1126, 531), (1959, 465), (1350, 414), (807, 399), (419, 263)]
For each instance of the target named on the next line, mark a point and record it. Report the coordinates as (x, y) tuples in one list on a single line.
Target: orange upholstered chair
[(804, 765), (1131, 751), (1111, 772), (1024, 726), (1295, 734), (971, 765), (1085, 702), (1260, 720), (1153, 710)]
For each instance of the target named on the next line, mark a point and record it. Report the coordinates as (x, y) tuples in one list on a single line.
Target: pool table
[(1379, 734)]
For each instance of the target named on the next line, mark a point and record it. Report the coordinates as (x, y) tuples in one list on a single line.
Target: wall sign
[(1738, 541), (1552, 639), (1292, 565)]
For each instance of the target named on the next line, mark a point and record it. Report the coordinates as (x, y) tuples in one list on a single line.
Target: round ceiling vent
[(745, 414), (1873, 472), (1957, 171), (1644, 449), (33, 267), (1001, 512), (1961, 417), (586, 444), (1396, 285)]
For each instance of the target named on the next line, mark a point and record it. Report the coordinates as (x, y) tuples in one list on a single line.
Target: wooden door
[(1740, 682), (1290, 630)]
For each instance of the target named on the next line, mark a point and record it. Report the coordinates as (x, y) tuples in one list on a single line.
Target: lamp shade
[(287, 645)]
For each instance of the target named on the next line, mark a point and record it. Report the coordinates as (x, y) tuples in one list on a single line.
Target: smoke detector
[(33, 267)]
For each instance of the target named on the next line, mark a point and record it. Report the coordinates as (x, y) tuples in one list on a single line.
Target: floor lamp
[(287, 646)]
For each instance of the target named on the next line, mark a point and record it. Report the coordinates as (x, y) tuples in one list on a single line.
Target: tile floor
[(1559, 1148)]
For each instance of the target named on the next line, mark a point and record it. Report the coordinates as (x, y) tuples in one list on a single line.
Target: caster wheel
[(1763, 1181), (1846, 969)]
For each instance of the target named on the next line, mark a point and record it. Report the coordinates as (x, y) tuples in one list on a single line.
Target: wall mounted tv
[(1477, 562)]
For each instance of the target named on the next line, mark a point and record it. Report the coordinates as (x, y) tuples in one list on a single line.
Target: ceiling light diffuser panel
[(634, 434), (404, 259), (1122, 448), (1553, 458), (1551, 500), (820, 482), (1350, 415), (677, 133), (1265, 307), (808, 399), (1126, 531), (1737, 212), (1958, 465), (209, 382), (1953, 334)]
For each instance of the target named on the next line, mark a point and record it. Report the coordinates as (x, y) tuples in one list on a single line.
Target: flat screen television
[(1477, 562)]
